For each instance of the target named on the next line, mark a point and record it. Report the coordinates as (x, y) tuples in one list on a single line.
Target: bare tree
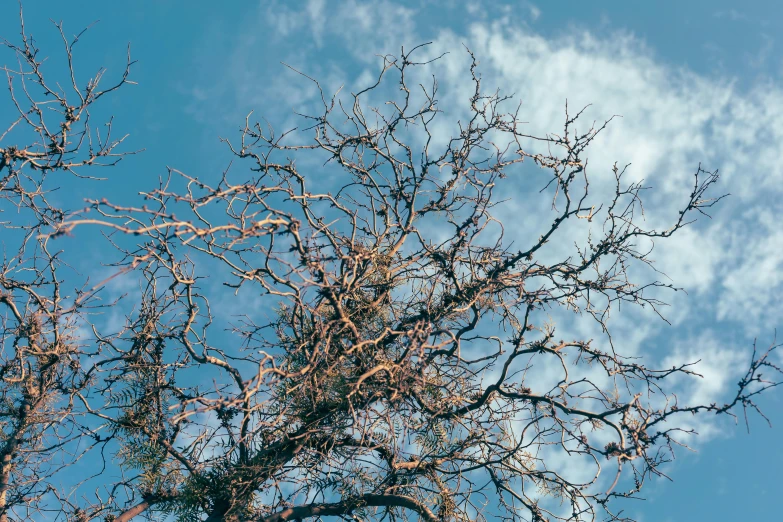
[(41, 358), (393, 377)]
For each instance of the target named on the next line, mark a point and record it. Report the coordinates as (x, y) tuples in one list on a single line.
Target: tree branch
[(346, 506)]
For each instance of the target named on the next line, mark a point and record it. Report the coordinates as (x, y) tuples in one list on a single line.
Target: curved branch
[(346, 506), (135, 511)]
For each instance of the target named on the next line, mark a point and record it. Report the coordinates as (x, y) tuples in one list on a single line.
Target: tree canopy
[(398, 361)]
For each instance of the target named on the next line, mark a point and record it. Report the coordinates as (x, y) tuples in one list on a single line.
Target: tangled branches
[(393, 376)]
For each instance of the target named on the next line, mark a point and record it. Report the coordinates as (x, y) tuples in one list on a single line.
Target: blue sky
[(697, 81)]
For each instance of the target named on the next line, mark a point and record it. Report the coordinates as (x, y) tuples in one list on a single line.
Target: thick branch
[(136, 510), (346, 506)]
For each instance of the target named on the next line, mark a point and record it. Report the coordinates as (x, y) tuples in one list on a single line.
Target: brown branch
[(347, 506)]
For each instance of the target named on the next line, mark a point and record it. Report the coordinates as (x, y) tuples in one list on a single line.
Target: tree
[(395, 378)]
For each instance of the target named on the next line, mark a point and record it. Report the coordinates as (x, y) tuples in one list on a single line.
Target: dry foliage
[(391, 382)]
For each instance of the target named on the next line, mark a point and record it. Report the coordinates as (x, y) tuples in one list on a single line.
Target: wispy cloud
[(673, 119), (731, 14)]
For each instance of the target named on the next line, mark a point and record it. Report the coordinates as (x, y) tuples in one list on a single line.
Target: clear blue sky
[(695, 81)]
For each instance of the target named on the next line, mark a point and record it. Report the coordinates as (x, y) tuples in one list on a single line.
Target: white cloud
[(731, 14), (720, 366), (535, 12), (672, 120), (316, 8), (753, 270)]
